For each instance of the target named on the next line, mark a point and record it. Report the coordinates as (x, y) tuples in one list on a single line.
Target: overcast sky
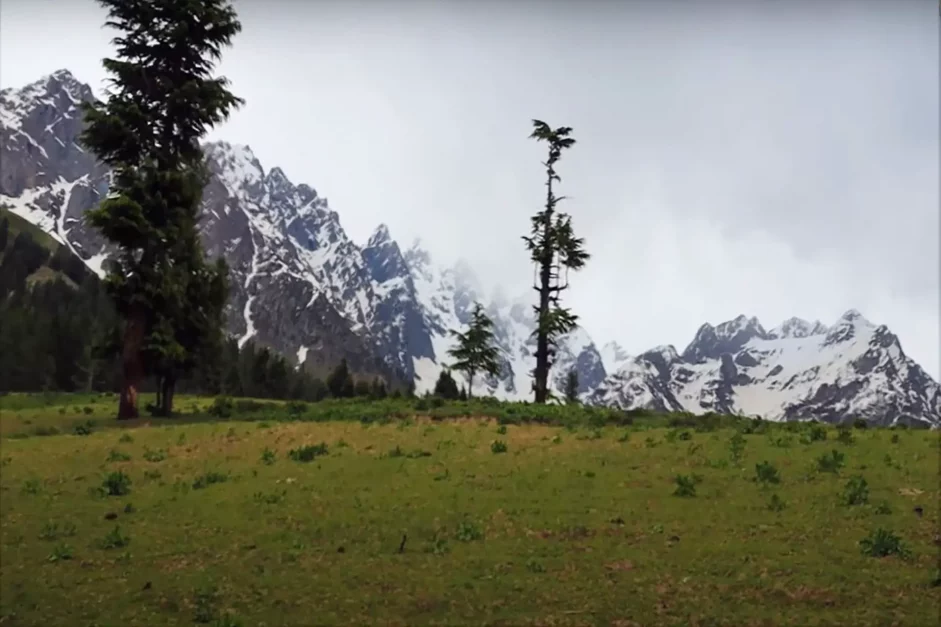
[(769, 158)]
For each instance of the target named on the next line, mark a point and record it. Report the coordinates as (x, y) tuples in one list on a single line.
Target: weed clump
[(685, 486), (883, 543), (114, 540), (765, 472), (737, 448), (776, 504), (498, 446), (831, 462), (208, 479), (118, 456), (267, 457), (116, 484), (856, 491), (467, 531), (308, 453)]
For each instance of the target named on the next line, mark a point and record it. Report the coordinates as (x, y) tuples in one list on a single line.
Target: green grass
[(573, 524)]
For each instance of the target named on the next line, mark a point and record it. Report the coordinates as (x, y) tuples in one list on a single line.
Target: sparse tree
[(475, 351), (162, 101), (554, 250), (571, 386)]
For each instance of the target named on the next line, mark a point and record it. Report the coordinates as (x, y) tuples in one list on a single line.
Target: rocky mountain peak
[(728, 337), (797, 328), (380, 237)]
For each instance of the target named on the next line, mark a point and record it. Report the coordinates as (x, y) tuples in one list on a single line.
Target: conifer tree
[(446, 386), (475, 351), (555, 250), (571, 386), (162, 101), (340, 382)]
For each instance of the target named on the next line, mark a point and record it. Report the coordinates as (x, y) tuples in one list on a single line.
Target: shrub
[(765, 472), (776, 504), (467, 531), (685, 486), (859, 423), (501, 430), (737, 448), (498, 446), (222, 407), (267, 457), (118, 456), (60, 552), (845, 436), (88, 411), (817, 433), (882, 543), (125, 438), (297, 408), (208, 479), (155, 456), (84, 428), (856, 491), (883, 508), (308, 453), (831, 462), (114, 540), (116, 484), (52, 531)]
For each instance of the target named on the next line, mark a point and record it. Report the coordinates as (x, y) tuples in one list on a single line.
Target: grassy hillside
[(19, 225), (355, 512)]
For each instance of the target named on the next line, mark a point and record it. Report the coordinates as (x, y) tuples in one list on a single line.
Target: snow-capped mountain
[(799, 370), (301, 286)]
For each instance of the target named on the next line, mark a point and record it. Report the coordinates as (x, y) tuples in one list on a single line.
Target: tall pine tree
[(475, 351), (162, 101), (555, 250)]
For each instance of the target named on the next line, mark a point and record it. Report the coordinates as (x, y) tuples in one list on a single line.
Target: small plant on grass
[(498, 446), (556, 439), (52, 531), (205, 605), (883, 543), (222, 407), (856, 491), (817, 433), (118, 456), (116, 484), (467, 531), (208, 479), (831, 462), (114, 540), (845, 436), (883, 508), (765, 472), (270, 499), (396, 452), (308, 453), (32, 486), (685, 486), (60, 552), (88, 411), (153, 475), (84, 428), (737, 448), (624, 437), (535, 567), (126, 438), (776, 504), (895, 438), (501, 430), (155, 456), (267, 457)]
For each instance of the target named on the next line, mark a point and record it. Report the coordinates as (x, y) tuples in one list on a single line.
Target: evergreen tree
[(463, 395), (571, 386), (446, 386), (4, 233), (475, 351), (555, 250), (378, 389), (163, 100), (340, 382), (362, 389)]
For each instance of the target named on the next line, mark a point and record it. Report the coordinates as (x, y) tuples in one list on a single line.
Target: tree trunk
[(168, 387), (132, 365), (470, 384)]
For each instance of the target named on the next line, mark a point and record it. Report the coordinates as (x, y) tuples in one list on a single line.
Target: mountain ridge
[(303, 287)]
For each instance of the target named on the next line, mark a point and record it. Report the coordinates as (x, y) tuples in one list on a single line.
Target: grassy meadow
[(415, 512)]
